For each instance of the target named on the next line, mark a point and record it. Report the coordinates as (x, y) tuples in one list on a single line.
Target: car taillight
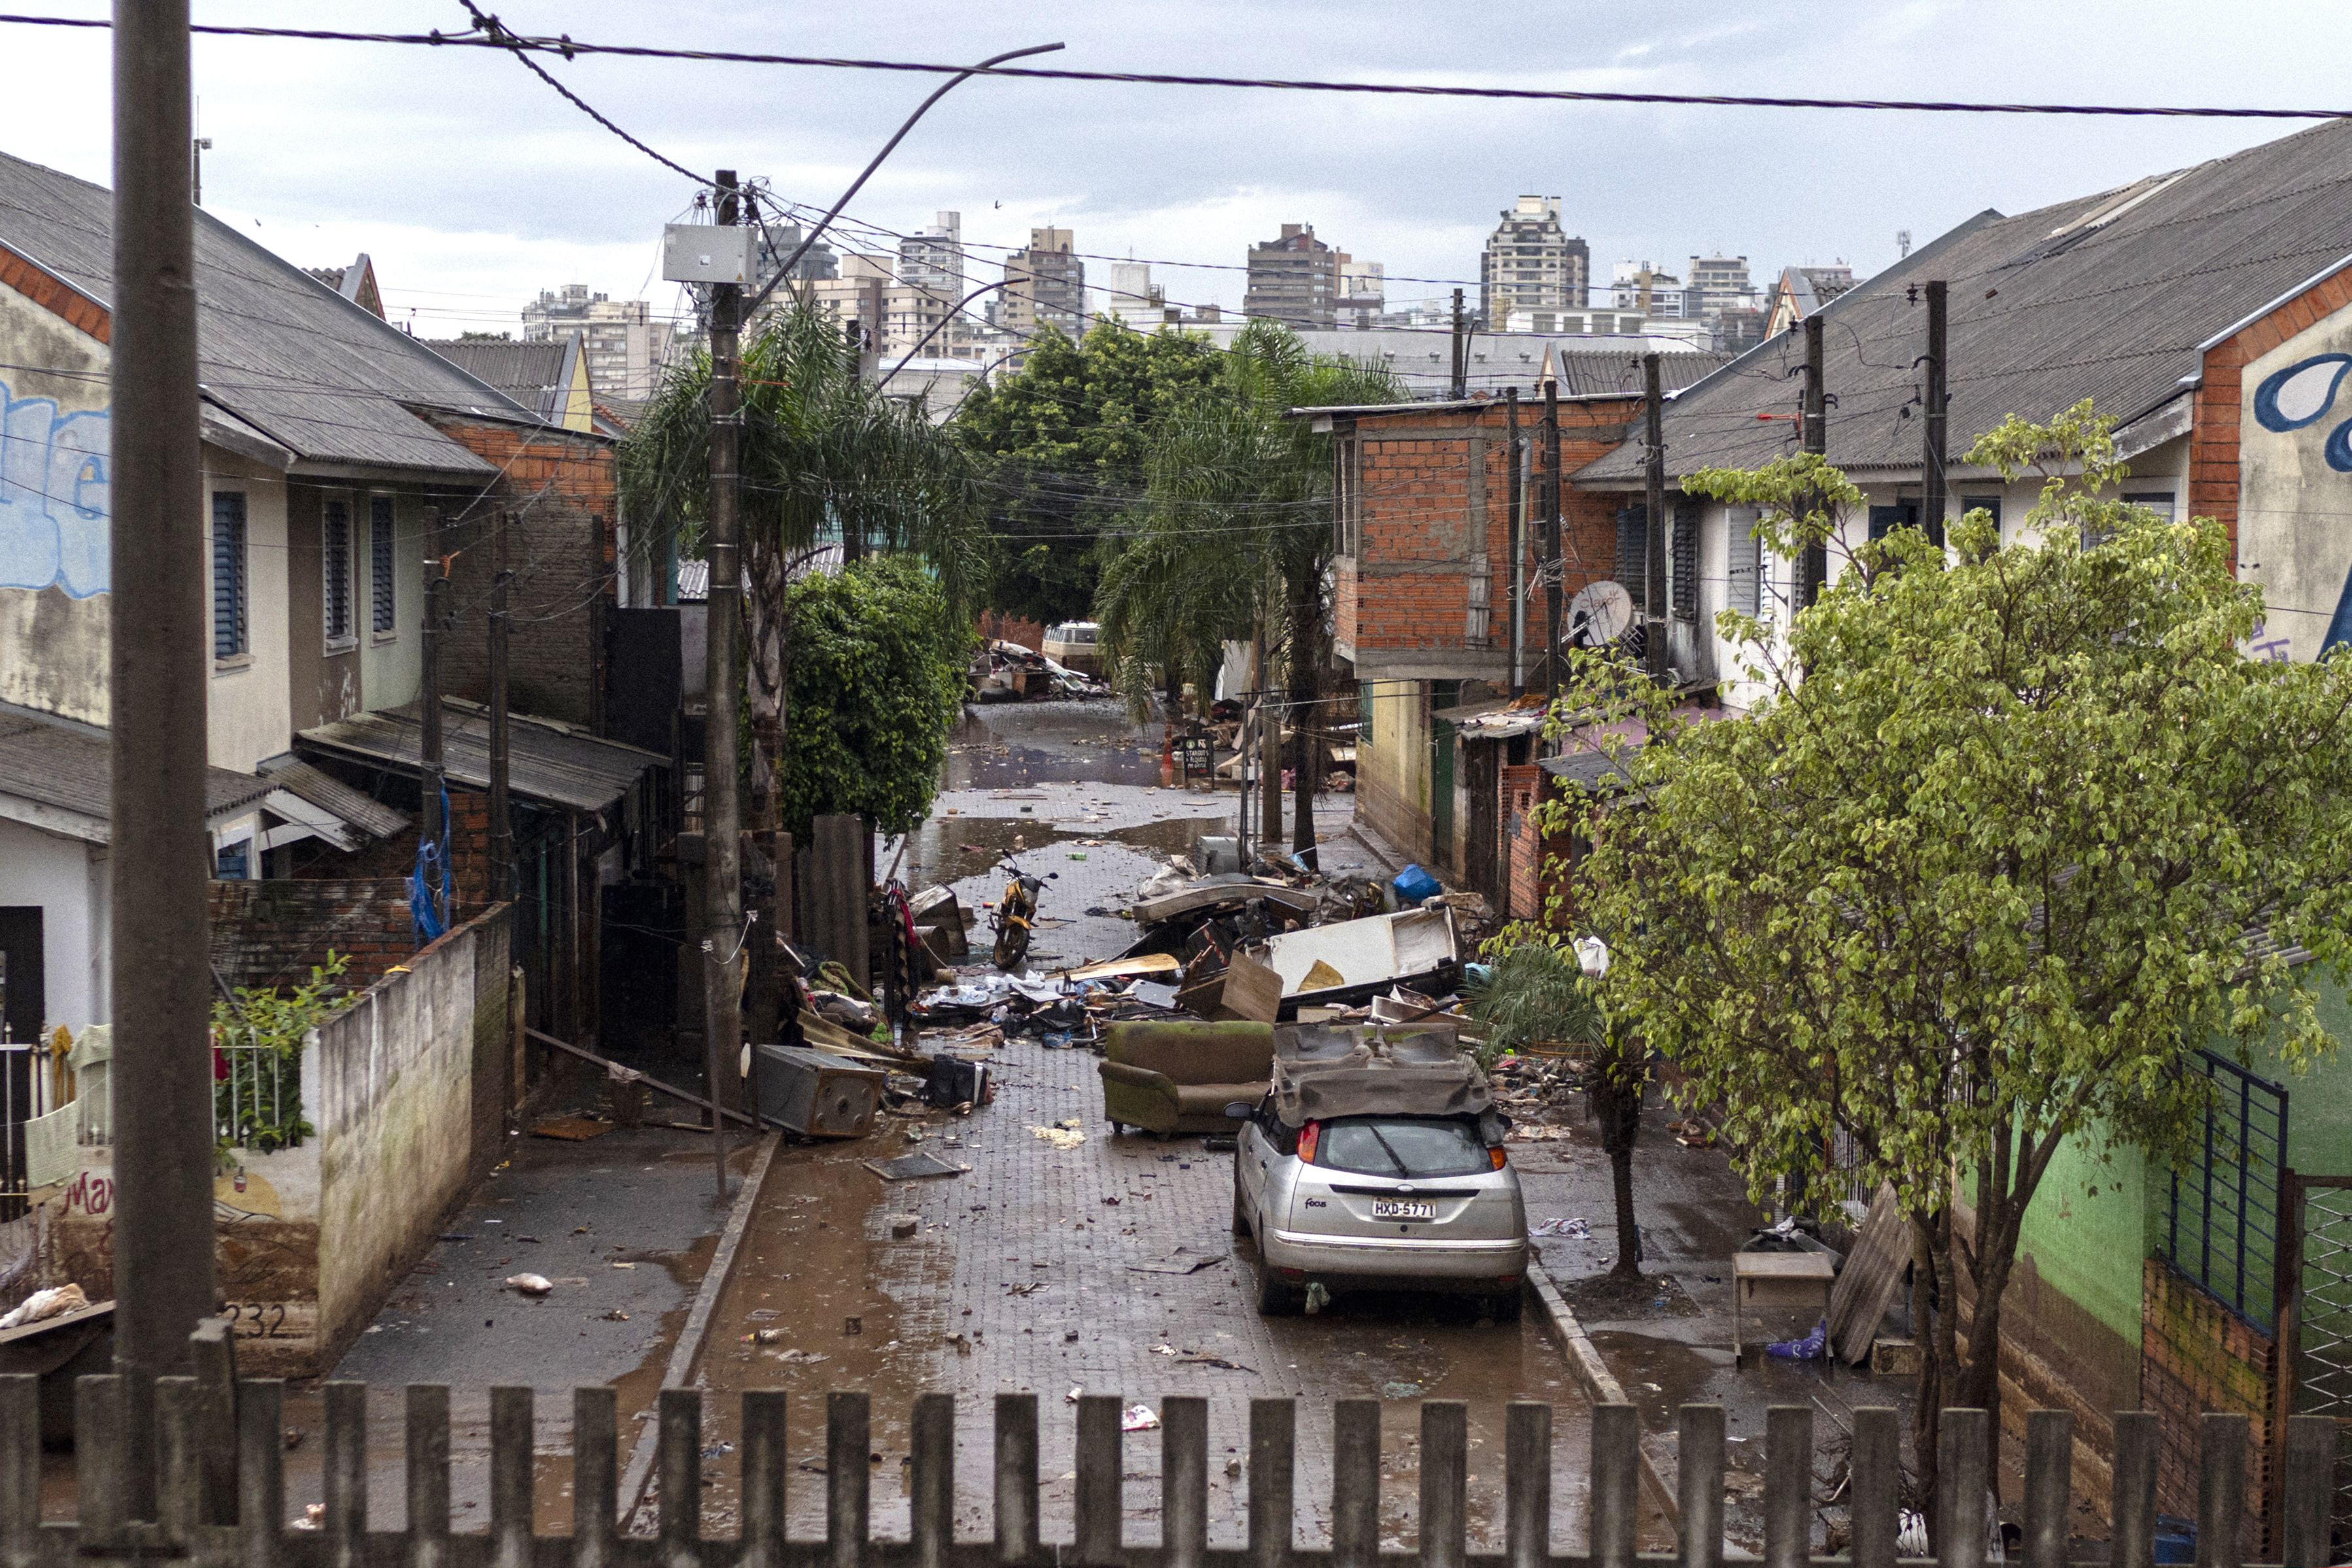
[(1308, 1136), (1497, 1152)]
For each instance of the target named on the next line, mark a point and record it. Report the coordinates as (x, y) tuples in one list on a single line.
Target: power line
[(572, 48)]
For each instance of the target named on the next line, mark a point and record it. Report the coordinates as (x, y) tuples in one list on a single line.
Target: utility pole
[(433, 778), (722, 804), (1932, 489), (1515, 491), (1461, 351), (502, 863), (160, 975), (1654, 585), (1812, 436), (1552, 564)]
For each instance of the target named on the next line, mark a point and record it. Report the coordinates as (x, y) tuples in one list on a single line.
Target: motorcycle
[(1016, 914)]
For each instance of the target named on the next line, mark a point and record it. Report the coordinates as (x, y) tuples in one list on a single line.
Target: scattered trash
[(1179, 1262), (1570, 1230), (1063, 1134), (616, 1316), (914, 1167), (803, 1358), (1318, 1298), (961, 1342), (530, 1284), (1069, 1336), (1137, 1418), (314, 1517), (42, 1305), (1078, 1392), (853, 1325), (625, 1265), (1692, 1134), (765, 1336), (1812, 1347), (1399, 1390), (1031, 1289), (572, 1129), (903, 1226)]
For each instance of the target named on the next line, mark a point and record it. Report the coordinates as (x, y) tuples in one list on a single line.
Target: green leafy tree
[(258, 1033), (1062, 440), (1235, 534), (1976, 882), (827, 460), (1536, 993), (878, 673)]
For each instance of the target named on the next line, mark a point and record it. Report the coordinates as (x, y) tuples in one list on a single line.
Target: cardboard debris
[(913, 1167)]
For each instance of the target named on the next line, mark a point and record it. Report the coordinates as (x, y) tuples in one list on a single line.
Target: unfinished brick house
[(1430, 559)]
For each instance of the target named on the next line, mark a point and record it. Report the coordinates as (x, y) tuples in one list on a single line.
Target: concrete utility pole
[(502, 862), (1813, 435), (159, 965), (722, 804), (1461, 351), (1515, 491), (1553, 567), (1653, 586), (1932, 488)]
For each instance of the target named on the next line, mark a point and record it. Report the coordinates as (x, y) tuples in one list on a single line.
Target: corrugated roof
[(337, 799), (530, 373), (71, 771), (322, 376), (552, 763), (2107, 296)]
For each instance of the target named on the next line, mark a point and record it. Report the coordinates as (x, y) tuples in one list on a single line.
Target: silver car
[(1377, 1202)]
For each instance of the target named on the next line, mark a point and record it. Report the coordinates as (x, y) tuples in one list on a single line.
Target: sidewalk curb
[(1600, 1384), (682, 1356)]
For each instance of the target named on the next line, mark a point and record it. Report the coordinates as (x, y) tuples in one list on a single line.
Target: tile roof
[(552, 763), (281, 350), (68, 768), (2107, 296)]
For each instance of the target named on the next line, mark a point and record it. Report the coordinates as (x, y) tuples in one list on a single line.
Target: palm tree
[(827, 460), (1235, 532)]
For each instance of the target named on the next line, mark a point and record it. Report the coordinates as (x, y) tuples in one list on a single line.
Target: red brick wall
[(272, 933), (1408, 586), (1534, 856), (55, 295), (2213, 443), (558, 489), (2196, 1356)]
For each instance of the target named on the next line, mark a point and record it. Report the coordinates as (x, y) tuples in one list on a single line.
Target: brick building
[(1429, 558)]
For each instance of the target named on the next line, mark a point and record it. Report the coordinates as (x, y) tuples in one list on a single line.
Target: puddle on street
[(1004, 745)]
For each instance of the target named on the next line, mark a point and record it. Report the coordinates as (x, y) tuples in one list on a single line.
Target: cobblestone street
[(1044, 1270)]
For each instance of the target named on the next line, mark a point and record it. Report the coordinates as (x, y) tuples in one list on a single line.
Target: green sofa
[(1174, 1077)]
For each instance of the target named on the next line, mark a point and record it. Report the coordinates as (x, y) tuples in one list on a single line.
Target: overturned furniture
[(818, 1094), (1179, 1076), (1326, 1070), (1352, 961)]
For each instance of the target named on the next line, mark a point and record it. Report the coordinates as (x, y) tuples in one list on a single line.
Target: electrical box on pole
[(707, 253)]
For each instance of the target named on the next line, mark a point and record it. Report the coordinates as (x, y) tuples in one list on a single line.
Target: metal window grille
[(1684, 591), (229, 631), (1743, 557), (335, 553), (1634, 554), (256, 1092), (2223, 1198), (28, 1092), (382, 582)]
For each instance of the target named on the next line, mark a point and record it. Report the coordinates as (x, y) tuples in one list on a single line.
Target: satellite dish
[(1599, 615)]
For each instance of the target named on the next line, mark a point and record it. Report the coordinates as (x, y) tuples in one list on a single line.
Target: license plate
[(1403, 1208)]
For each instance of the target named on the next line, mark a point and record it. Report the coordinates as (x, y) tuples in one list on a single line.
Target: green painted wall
[(2095, 1219)]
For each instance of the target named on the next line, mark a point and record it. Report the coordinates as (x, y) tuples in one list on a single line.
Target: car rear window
[(1386, 1146)]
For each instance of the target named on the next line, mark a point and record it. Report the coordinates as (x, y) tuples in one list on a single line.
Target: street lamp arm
[(889, 147), (925, 341)]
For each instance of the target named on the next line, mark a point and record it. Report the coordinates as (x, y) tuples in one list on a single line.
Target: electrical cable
[(572, 48)]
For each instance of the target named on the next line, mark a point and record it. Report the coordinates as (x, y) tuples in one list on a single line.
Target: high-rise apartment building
[(1132, 297), (1294, 279), (1531, 263), (1659, 295), (627, 346), (1363, 287), (1719, 283), (1045, 285), (918, 307)]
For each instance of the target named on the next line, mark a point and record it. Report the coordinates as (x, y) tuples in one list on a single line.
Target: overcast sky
[(473, 185)]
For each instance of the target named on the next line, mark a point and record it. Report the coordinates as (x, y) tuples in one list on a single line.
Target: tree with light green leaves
[(1981, 869), (1236, 536)]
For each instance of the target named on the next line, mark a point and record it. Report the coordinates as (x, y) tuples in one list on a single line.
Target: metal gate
[(2315, 1325)]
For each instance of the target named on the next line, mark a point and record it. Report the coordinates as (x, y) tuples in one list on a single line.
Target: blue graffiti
[(2301, 394), (54, 500)]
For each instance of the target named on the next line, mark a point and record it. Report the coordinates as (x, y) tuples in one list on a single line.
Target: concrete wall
[(1393, 775), (406, 1094), (410, 1080), (66, 879), (54, 498)]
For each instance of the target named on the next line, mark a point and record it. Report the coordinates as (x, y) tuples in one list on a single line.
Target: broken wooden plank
[(655, 1084)]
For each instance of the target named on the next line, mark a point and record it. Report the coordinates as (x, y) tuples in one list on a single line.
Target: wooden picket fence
[(219, 1497)]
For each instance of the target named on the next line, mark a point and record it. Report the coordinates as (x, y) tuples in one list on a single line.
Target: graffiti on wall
[(54, 497), (2304, 393), (2294, 502)]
